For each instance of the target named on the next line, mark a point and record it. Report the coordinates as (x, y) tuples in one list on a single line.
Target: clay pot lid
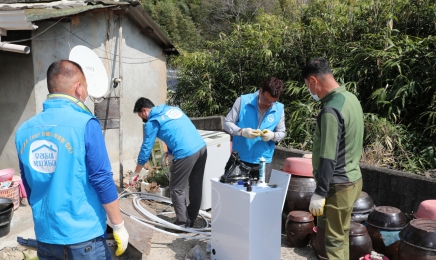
[(426, 209), (420, 232), (386, 217), (300, 216), (298, 166), (357, 229), (363, 204)]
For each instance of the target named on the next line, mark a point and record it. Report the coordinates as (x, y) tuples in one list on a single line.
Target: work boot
[(183, 225)]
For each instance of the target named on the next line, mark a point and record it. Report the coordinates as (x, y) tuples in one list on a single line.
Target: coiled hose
[(154, 220)]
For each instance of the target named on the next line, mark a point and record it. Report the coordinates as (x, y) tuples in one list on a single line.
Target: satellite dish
[(95, 73)]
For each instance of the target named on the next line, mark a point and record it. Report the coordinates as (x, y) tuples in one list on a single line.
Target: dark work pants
[(183, 171)]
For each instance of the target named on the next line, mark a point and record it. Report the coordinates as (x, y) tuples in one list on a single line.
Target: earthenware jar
[(317, 241), (299, 225), (360, 241), (418, 240), (362, 207), (384, 226), (300, 190)]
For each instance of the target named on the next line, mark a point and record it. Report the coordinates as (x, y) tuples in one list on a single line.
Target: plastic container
[(426, 209), (13, 193), (6, 216), (7, 174), (23, 193), (298, 166)]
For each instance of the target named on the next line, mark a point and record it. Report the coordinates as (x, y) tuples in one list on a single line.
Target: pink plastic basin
[(6, 174), (426, 209), (298, 166)]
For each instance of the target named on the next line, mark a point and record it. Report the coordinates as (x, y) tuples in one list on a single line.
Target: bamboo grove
[(383, 51)]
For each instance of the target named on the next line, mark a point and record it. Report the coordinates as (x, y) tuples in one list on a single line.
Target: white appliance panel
[(245, 225)]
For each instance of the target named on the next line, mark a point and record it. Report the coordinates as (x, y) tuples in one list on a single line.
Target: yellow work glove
[(316, 206), (267, 135), (250, 133), (121, 237)]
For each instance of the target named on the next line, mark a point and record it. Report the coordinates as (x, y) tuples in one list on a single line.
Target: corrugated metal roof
[(20, 16), (15, 20), (43, 14)]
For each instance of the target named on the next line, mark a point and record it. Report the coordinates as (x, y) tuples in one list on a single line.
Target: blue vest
[(250, 150), (51, 147), (177, 131)]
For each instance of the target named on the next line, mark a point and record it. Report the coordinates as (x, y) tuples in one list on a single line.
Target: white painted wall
[(143, 73)]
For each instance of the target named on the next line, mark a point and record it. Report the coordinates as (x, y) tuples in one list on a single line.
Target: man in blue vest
[(257, 123), (187, 146), (67, 174)]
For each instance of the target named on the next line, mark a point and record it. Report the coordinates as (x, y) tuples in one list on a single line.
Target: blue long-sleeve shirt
[(97, 164)]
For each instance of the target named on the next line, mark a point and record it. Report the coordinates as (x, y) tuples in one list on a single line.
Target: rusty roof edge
[(144, 20)]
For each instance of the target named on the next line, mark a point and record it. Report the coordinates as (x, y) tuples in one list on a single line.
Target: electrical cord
[(153, 220)]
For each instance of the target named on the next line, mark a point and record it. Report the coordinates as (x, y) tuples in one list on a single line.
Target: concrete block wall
[(386, 187), (211, 123)]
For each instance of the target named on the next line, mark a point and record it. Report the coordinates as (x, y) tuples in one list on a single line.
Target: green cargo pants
[(336, 218)]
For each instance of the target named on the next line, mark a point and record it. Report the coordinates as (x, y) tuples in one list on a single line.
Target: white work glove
[(316, 206), (121, 238), (250, 133), (267, 135)]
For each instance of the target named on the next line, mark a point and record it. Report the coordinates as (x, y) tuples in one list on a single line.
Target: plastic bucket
[(6, 216)]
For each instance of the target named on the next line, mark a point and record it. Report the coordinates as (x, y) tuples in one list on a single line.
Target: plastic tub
[(426, 209), (6, 174), (298, 166)]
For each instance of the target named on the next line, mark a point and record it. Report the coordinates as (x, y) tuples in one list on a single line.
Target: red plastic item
[(133, 180), (426, 209), (368, 257), (298, 166)]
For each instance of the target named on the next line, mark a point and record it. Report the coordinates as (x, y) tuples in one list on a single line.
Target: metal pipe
[(14, 48), (120, 75)]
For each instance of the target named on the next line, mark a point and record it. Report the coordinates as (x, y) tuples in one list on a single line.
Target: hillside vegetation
[(383, 51)]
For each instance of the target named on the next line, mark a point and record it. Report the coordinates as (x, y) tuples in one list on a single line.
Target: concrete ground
[(162, 246)]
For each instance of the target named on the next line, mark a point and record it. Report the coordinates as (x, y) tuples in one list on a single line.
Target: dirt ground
[(166, 247)]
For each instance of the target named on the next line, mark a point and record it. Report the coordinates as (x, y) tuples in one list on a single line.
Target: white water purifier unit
[(218, 153), (246, 225)]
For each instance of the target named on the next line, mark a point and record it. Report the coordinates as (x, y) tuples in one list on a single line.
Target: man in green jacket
[(337, 148)]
